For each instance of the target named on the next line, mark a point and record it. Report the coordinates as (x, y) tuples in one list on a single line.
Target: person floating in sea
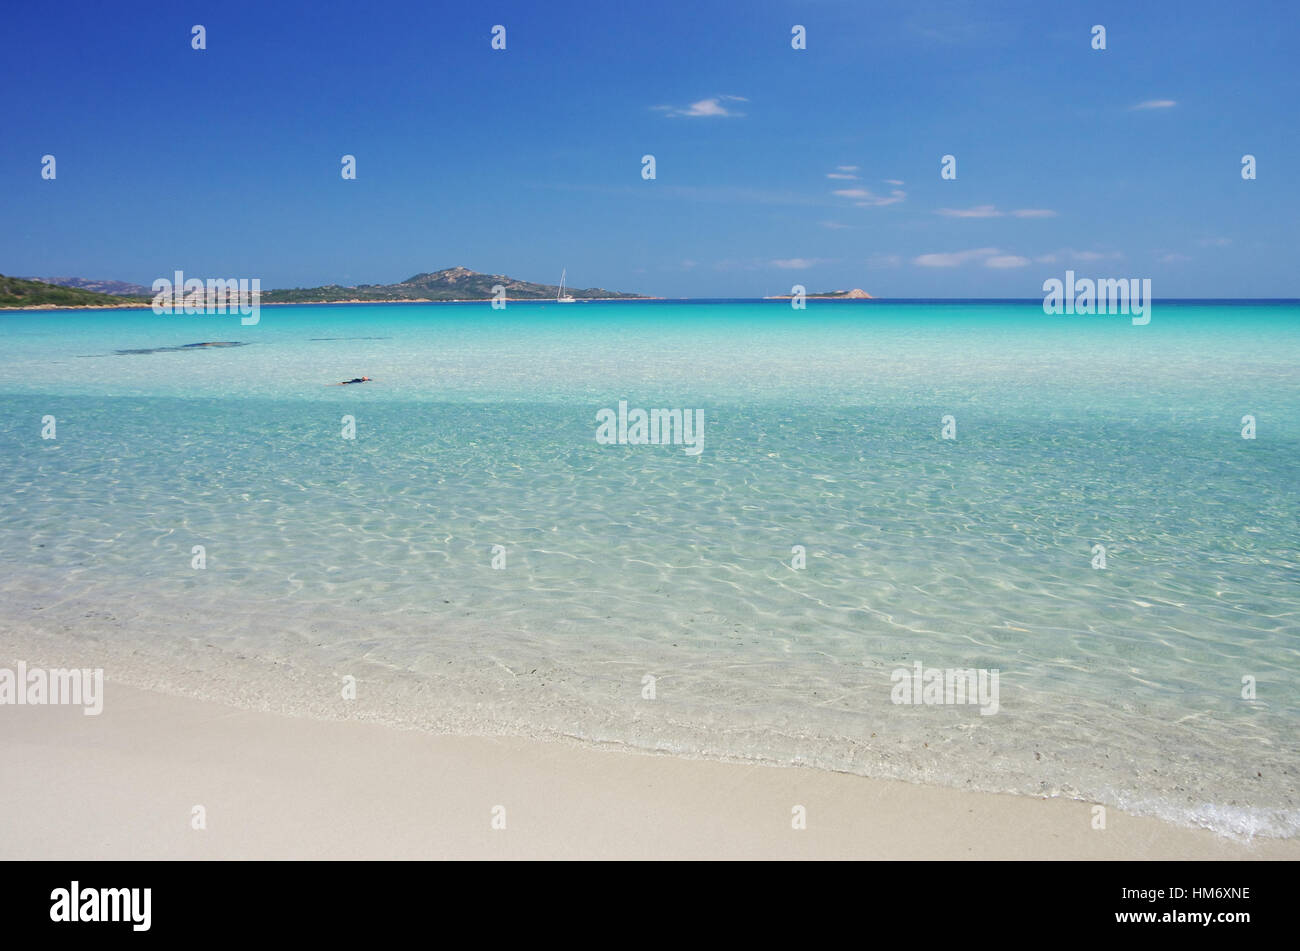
[(359, 379)]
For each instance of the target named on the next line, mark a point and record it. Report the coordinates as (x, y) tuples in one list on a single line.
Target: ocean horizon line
[(1037, 301)]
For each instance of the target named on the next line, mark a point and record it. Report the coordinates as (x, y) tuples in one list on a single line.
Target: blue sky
[(226, 162)]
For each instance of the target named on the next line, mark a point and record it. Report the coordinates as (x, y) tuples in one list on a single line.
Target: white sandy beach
[(123, 786)]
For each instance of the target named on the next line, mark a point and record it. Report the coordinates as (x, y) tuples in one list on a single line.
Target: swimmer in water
[(360, 379)]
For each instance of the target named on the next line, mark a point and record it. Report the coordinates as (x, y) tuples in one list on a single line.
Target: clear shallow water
[(373, 557)]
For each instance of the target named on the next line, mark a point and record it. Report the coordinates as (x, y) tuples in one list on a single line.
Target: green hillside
[(456, 283), (17, 292)]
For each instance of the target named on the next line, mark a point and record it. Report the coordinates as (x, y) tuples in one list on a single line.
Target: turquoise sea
[(647, 596)]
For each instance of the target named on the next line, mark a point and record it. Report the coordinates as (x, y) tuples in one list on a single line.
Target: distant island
[(856, 294), (449, 284), (453, 283)]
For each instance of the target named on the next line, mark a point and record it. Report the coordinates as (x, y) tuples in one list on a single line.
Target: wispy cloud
[(845, 175), (1006, 260), (713, 107), (1156, 104), (989, 257), (954, 258), (846, 168), (866, 198), (1069, 254), (992, 211), (785, 264), (979, 211), (1173, 257)]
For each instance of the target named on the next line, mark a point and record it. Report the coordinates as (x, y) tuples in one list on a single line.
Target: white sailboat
[(561, 297)]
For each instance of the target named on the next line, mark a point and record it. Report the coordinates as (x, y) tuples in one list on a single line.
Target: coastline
[(327, 303), (1236, 301), (124, 785)]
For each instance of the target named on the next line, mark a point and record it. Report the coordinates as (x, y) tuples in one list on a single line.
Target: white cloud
[(954, 258), (1006, 260), (835, 225), (1069, 254), (844, 175), (991, 211), (1156, 104), (795, 264), (893, 181), (876, 201), (989, 257), (996, 258), (846, 168), (865, 198), (713, 107), (980, 211)]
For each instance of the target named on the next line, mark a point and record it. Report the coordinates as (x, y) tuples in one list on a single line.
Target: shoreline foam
[(307, 690), (126, 785)]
